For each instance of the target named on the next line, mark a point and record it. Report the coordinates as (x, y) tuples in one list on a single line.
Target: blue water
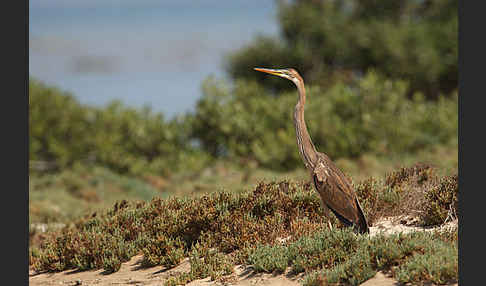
[(143, 52)]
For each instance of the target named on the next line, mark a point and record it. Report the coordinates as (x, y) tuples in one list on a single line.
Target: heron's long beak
[(278, 72)]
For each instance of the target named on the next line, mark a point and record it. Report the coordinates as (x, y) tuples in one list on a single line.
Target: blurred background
[(137, 99), (146, 52)]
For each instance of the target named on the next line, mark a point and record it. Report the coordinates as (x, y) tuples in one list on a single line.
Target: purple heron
[(334, 188)]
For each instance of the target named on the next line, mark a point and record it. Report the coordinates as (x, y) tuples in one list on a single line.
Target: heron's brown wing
[(335, 189)]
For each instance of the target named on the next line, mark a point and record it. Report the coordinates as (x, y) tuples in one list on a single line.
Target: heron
[(335, 190)]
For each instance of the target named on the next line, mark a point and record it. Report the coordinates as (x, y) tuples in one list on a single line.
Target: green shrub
[(354, 271), (338, 41), (373, 117), (439, 264), (323, 249), (416, 257), (63, 132), (204, 262), (267, 258), (242, 124), (59, 127)]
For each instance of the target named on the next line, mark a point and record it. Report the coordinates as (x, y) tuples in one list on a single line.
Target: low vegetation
[(277, 226), (413, 257), (64, 196)]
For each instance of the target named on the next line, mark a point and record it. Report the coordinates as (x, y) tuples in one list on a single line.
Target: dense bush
[(62, 131), (58, 125), (338, 41), (138, 141), (238, 123), (344, 121)]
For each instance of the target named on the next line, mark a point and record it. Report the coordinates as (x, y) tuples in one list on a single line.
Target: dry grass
[(416, 191)]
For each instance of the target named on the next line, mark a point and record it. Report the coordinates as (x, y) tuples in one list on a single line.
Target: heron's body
[(334, 188)]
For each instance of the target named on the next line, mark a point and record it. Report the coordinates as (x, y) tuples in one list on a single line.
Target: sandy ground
[(131, 273)]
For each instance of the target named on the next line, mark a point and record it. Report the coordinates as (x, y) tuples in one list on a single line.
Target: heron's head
[(290, 74)]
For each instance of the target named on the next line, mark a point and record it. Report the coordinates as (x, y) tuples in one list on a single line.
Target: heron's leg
[(327, 214)]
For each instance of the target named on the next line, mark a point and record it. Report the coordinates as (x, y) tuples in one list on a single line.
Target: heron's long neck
[(306, 147)]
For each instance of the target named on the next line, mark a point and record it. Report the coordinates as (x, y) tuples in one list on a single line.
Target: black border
[(471, 88), (25, 105), (15, 148)]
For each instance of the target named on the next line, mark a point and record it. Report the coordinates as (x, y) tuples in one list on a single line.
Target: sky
[(143, 52)]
